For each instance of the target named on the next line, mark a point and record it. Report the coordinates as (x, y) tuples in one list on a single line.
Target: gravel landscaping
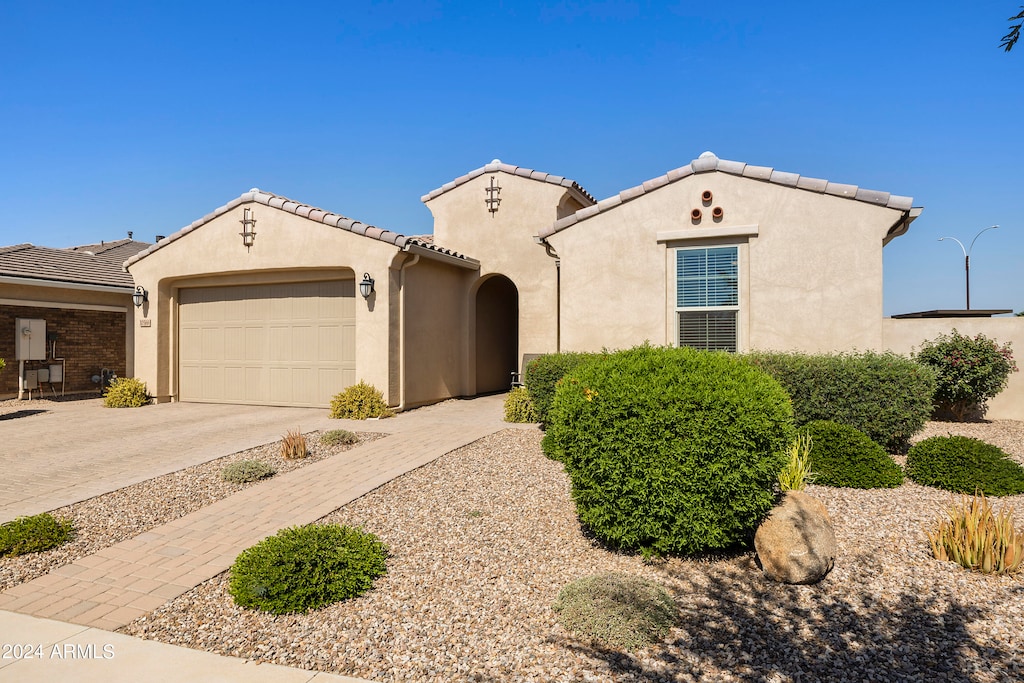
[(483, 539)]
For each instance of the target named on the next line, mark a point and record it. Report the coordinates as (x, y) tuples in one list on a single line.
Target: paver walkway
[(118, 584)]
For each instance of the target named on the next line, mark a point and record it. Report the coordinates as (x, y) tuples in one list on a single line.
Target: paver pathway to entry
[(118, 584)]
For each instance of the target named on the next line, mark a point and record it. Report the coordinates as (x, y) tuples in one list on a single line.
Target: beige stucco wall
[(504, 244), (904, 335), (287, 248), (810, 266)]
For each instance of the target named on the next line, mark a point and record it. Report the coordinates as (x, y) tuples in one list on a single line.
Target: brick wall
[(88, 340)]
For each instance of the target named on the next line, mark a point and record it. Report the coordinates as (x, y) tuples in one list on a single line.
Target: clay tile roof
[(312, 213), (709, 163), (496, 166), (91, 264)]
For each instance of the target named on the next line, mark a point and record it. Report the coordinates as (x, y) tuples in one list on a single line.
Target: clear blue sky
[(146, 116)]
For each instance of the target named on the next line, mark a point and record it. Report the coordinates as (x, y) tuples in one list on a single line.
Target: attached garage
[(276, 344)]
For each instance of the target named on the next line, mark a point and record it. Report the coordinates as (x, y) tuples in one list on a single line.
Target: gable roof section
[(495, 166), (709, 163), (255, 195), (53, 266)]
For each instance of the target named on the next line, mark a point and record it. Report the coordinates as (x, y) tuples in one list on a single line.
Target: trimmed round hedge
[(307, 567), (670, 450), (964, 465), (846, 457)]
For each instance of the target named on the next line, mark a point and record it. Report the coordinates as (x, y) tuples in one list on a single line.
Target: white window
[(707, 297)]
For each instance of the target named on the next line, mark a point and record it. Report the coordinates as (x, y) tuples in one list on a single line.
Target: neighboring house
[(716, 254), (84, 296)]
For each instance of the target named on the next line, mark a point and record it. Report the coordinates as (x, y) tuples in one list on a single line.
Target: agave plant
[(978, 538)]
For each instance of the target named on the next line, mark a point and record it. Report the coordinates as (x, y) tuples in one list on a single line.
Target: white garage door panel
[(291, 344)]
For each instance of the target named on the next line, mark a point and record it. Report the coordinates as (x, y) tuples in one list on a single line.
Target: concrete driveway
[(57, 453)]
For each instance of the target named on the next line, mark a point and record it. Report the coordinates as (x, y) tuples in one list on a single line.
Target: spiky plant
[(976, 537)]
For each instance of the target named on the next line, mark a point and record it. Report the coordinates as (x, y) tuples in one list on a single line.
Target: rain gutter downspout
[(558, 291), (401, 330)]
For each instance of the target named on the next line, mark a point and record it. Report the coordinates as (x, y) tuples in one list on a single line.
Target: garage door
[(282, 344)]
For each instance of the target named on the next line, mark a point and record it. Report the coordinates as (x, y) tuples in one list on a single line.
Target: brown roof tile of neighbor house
[(93, 264), (495, 166), (709, 163), (258, 196)]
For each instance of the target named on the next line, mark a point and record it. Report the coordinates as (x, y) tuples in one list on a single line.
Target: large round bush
[(670, 450), (970, 371), (964, 465), (307, 567), (847, 457)]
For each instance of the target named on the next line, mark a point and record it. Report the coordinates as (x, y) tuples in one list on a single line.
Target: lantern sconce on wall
[(248, 228), (366, 286), (140, 296)]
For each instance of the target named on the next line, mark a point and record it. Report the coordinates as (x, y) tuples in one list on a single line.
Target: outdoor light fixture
[(140, 296), (967, 259), (248, 224), (366, 286)]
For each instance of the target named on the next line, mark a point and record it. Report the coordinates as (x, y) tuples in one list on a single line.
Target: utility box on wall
[(29, 339)]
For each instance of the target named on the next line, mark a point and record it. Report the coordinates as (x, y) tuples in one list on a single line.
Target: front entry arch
[(497, 334)]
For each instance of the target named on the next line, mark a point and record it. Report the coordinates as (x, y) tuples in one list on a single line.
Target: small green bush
[(244, 471), (888, 397), (359, 402), (33, 534), (519, 407), (970, 371), (339, 437), (670, 450), (620, 611), (964, 465), (542, 375), (307, 567), (126, 392), (846, 457)]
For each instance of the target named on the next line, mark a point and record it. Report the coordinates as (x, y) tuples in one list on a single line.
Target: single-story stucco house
[(270, 301)]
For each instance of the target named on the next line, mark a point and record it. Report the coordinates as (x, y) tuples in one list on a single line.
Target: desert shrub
[(620, 611), (964, 465), (244, 471), (888, 397), (519, 407), (33, 534), (846, 457), (359, 402), (307, 567), (542, 374), (293, 445), (796, 473), (670, 450), (975, 537), (969, 371), (126, 392), (339, 437)]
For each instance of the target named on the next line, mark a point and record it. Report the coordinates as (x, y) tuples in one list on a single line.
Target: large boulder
[(796, 544)]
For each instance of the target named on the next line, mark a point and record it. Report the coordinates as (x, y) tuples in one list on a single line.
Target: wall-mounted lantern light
[(140, 296), (248, 228), (366, 286)]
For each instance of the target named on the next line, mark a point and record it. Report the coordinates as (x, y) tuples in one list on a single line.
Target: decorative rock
[(796, 544)]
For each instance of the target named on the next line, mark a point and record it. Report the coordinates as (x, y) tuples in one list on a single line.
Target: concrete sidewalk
[(118, 584)]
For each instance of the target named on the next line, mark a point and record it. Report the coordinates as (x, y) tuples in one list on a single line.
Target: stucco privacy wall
[(904, 335), (287, 248), (810, 270)]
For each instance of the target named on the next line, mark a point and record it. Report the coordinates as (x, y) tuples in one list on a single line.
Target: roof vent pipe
[(159, 237)]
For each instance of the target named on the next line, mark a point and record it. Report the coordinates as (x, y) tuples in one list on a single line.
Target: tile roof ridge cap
[(15, 247)]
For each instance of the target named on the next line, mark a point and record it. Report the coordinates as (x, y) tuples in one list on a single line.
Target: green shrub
[(359, 402), (969, 371), (964, 465), (519, 407), (244, 471), (796, 473), (339, 437), (33, 534), (542, 375), (846, 457), (2, 364), (670, 450), (619, 610), (888, 397), (307, 567), (126, 392)]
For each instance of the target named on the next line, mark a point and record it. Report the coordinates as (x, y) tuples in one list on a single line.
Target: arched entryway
[(497, 334)]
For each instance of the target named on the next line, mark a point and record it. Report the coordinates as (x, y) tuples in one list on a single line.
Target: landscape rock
[(796, 543)]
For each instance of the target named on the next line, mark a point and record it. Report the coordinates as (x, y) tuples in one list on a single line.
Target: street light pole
[(967, 259)]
